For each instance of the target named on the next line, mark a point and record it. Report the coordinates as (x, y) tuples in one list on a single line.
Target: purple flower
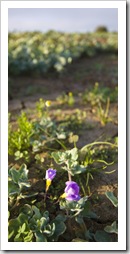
[(50, 174), (71, 191)]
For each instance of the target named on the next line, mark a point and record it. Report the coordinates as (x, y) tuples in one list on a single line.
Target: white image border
[(121, 244)]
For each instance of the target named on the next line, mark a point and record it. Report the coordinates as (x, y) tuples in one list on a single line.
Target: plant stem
[(61, 143), (63, 146), (98, 143), (45, 196), (107, 107), (81, 184), (69, 176), (16, 203), (83, 226)]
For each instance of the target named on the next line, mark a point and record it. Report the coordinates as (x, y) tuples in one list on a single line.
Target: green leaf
[(18, 155), (59, 230), (82, 201), (23, 178), (23, 183), (73, 206), (43, 223), (74, 154), (13, 227), (61, 135), (59, 157), (92, 215), (37, 214), (87, 212), (10, 234), (112, 229), (33, 224), (18, 238), (79, 220), (63, 204), (112, 198), (50, 229), (46, 215), (29, 237), (14, 174), (102, 236), (40, 237), (19, 177), (61, 217), (22, 218), (23, 172), (89, 235), (62, 157), (22, 228), (78, 169), (70, 205), (73, 138), (29, 195), (26, 209), (13, 188)]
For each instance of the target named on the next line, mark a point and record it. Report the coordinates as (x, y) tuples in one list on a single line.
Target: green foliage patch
[(39, 53), (59, 211)]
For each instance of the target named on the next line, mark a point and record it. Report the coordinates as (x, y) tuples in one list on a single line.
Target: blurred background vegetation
[(37, 53)]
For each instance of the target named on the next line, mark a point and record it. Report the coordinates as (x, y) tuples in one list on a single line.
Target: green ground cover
[(37, 53), (66, 122)]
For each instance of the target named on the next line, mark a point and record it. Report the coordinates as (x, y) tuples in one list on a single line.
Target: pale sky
[(62, 19)]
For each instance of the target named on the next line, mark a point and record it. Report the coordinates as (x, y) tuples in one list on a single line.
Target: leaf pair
[(17, 180), (70, 159)]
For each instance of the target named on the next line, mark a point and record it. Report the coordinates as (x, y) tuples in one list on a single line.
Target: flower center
[(71, 191)]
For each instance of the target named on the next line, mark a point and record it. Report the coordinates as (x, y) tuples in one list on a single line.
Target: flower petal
[(50, 173), (72, 191)]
